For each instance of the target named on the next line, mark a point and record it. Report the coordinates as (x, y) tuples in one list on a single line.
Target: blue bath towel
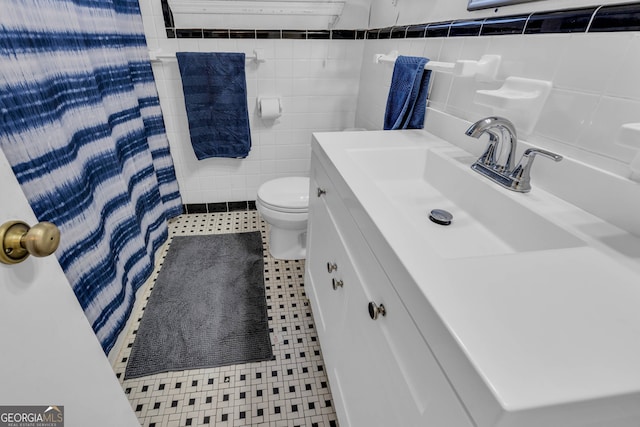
[(215, 94), (407, 101)]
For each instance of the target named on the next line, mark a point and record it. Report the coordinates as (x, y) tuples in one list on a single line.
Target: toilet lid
[(289, 194)]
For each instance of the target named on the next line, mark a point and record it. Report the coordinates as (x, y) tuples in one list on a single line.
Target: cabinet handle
[(375, 310), (321, 191), (331, 267), (336, 284)]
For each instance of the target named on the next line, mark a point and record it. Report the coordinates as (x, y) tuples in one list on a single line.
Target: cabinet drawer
[(324, 251)]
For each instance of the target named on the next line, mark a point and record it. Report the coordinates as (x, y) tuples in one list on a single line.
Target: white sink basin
[(487, 219)]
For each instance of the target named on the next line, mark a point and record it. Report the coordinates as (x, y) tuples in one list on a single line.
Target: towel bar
[(484, 69), (157, 56), (444, 67)]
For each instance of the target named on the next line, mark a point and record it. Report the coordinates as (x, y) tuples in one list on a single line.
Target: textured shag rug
[(207, 307)]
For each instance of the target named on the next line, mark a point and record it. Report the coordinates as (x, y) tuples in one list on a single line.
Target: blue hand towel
[(407, 99), (215, 94)]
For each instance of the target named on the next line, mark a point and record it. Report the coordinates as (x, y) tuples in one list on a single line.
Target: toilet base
[(287, 244)]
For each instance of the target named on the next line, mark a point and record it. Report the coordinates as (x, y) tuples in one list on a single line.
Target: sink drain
[(440, 216)]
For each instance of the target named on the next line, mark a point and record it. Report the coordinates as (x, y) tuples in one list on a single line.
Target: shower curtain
[(81, 125)]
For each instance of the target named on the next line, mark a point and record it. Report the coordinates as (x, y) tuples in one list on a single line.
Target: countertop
[(549, 335)]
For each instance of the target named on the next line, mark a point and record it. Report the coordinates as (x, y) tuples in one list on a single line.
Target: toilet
[(284, 203)]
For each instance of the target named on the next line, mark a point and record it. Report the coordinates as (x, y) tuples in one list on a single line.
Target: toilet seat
[(289, 194)]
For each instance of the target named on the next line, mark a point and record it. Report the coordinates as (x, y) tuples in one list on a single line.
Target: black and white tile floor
[(291, 390)]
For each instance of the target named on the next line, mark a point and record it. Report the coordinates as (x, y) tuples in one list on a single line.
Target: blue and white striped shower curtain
[(80, 122)]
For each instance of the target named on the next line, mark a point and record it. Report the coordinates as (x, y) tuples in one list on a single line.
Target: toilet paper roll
[(269, 108)]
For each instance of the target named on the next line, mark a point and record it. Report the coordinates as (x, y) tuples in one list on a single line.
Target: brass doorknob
[(18, 240)]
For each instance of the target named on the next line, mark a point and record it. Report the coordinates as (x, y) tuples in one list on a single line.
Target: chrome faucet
[(517, 178), (496, 128)]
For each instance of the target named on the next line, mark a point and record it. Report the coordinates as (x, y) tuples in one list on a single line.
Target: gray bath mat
[(207, 307)]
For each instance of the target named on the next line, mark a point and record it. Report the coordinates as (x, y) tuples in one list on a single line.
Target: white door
[(49, 354)]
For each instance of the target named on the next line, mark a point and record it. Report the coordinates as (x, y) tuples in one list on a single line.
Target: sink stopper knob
[(440, 216)]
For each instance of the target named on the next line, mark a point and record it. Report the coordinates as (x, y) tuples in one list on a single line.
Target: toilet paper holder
[(269, 101)]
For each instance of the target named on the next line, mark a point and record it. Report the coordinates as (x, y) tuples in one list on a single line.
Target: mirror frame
[(486, 4)]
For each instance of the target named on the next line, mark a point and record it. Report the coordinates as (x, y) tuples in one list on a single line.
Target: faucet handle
[(521, 174), (532, 152)]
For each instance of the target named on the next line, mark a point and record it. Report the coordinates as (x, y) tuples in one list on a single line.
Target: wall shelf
[(519, 99), (255, 14)]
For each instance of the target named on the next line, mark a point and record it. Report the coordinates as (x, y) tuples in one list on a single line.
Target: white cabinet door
[(340, 316), (49, 353), (364, 381)]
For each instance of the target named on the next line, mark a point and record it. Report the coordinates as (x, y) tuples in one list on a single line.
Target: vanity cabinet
[(381, 370)]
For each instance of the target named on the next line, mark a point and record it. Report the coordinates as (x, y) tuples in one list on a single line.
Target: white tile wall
[(317, 81), (324, 82), (595, 87)]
